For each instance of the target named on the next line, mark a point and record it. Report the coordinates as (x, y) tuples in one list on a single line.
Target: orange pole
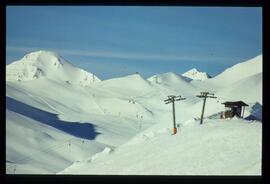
[(174, 130)]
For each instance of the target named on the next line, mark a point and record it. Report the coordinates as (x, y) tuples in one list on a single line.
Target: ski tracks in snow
[(45, 102)]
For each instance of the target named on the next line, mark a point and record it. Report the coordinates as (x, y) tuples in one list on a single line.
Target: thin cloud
[(20, 49), (124, 55)]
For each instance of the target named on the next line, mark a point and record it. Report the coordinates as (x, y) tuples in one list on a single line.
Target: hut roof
[(236, 103)]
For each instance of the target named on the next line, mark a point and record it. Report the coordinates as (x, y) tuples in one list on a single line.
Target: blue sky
[(113, 41)]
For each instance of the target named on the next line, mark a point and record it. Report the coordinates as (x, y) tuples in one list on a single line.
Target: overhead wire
[(46, 150)]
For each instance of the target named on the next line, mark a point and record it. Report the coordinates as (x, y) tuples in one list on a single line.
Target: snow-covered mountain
[(123, 126), (194, 74), (239, 71), (248, 89), (174, 82), (131, 84), (45, 64), (167, 78)]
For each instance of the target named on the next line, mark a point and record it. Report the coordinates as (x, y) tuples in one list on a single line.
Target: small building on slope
[(234, 109)]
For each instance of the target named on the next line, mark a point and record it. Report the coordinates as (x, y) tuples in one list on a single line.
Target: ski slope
[(94, 123), (65, 120), (218, 147)]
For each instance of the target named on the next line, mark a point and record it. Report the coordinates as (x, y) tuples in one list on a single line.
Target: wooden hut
[(234, 109)]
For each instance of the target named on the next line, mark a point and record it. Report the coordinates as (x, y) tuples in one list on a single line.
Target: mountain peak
[(47, 64), (40, 52), (194, 74), (44, 57)]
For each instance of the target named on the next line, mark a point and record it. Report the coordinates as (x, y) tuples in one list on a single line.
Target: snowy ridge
[(131, 83), (45, 64), (238, 72), (194, 74), (168, 77), (248, 89), (172, 81)]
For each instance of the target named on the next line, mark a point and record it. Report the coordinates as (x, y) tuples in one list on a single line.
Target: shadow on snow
[(81, 130), (256, 112)]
